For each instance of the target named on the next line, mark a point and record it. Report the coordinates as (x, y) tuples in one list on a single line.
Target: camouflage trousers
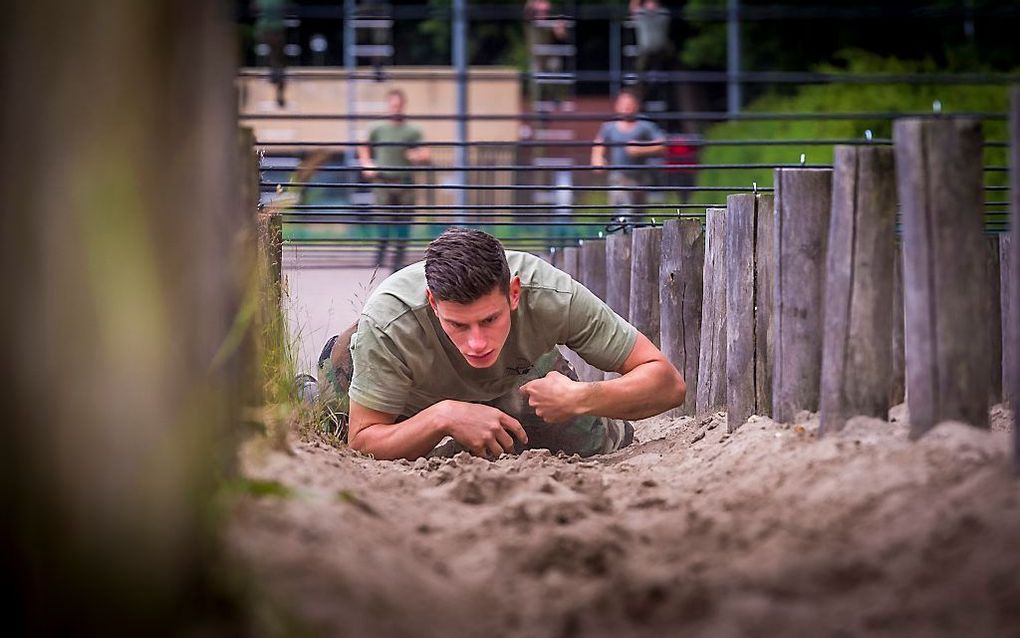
[(583, 435)]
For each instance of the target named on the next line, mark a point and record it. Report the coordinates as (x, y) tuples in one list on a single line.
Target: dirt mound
[(690, 531)]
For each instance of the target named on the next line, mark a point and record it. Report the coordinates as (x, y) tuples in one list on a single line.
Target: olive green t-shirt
[(404, 361), (405, 136)]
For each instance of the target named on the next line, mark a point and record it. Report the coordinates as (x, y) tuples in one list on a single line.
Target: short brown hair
[(464, 264)]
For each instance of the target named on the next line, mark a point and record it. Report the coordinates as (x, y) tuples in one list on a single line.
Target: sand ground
[(769, 531)]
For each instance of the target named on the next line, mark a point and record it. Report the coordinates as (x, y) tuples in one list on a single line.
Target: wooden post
[(592, 267), (940, 185), (556, 258), (644, 281), (857, 358), (992, 317), (897, 386), (618, 249), (711, 393), (1012, 345), (680, 301), (749, 274), (121, 365), (570, 263), (1010, 320), (803, 199)]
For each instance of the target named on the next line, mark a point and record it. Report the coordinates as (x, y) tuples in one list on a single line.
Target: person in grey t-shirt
[(632, 144)]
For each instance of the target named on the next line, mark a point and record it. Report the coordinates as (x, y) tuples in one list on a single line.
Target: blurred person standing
[(632, 144), (545, 34), (392, 149), (271, 30)]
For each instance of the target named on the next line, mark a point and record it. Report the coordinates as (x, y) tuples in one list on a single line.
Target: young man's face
[(479, 328), (395, 105), (626, 105)]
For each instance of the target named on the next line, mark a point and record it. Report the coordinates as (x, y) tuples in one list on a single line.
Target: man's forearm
[(647, 390), (408, 439)]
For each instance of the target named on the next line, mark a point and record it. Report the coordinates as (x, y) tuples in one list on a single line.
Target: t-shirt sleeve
[(381, 380), (651, 131), (415, 138), (596, 333), (602, 134)]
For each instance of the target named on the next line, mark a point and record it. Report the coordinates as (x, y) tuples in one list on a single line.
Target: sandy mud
[(690, 532)]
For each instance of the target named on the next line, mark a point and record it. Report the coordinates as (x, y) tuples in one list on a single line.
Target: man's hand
[(555, 397), (368, 170), (482, 429)]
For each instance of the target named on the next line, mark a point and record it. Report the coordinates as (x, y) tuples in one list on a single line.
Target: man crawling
[(463, 345)]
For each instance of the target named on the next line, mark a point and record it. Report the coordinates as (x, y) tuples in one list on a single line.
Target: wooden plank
[(711, 388), (748, 304), (570, 262), (618, 249), (593, 266), (940, 186), (556, 258), (897, 386), (1012, 345), (680, 301), (992, 318), (857, 357), (803, 199), (764, 327), (592, 275), (644, 281), (1009, 319)]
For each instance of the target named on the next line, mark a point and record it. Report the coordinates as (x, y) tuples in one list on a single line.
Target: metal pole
[(733, 57), (615, 57), (460, 66), (350, 63)]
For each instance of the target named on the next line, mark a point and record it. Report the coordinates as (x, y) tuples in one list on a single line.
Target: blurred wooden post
[(592, 266), (992, 317), (618, 258), (711, 388), (897, 386), (680, 300), (857, 358), (571, 262), (803, 199), (556, 258), (121, 268), (940, 185), (1012, 346), (749, 273), (644, 281), (1010, 320)]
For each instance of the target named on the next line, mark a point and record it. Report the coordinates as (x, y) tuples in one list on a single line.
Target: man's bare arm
[(649, 385), (483, 430), (598, 153)]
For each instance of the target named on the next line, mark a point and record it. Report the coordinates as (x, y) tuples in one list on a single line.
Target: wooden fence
[(808, 301)]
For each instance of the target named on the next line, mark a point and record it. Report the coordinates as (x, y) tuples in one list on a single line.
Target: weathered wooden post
[(803, 200), (897, 386), (1010, 319), (556, 257), (857, 357), (749, 274), (711, 388), (570, 264), (680, 301), (644, 281), (992, 317), (940, 185), (618, 258), (592, 266), (1012, 346)]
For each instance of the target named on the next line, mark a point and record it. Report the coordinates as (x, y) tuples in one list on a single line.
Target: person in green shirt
[(388, 157), (464, 345)]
